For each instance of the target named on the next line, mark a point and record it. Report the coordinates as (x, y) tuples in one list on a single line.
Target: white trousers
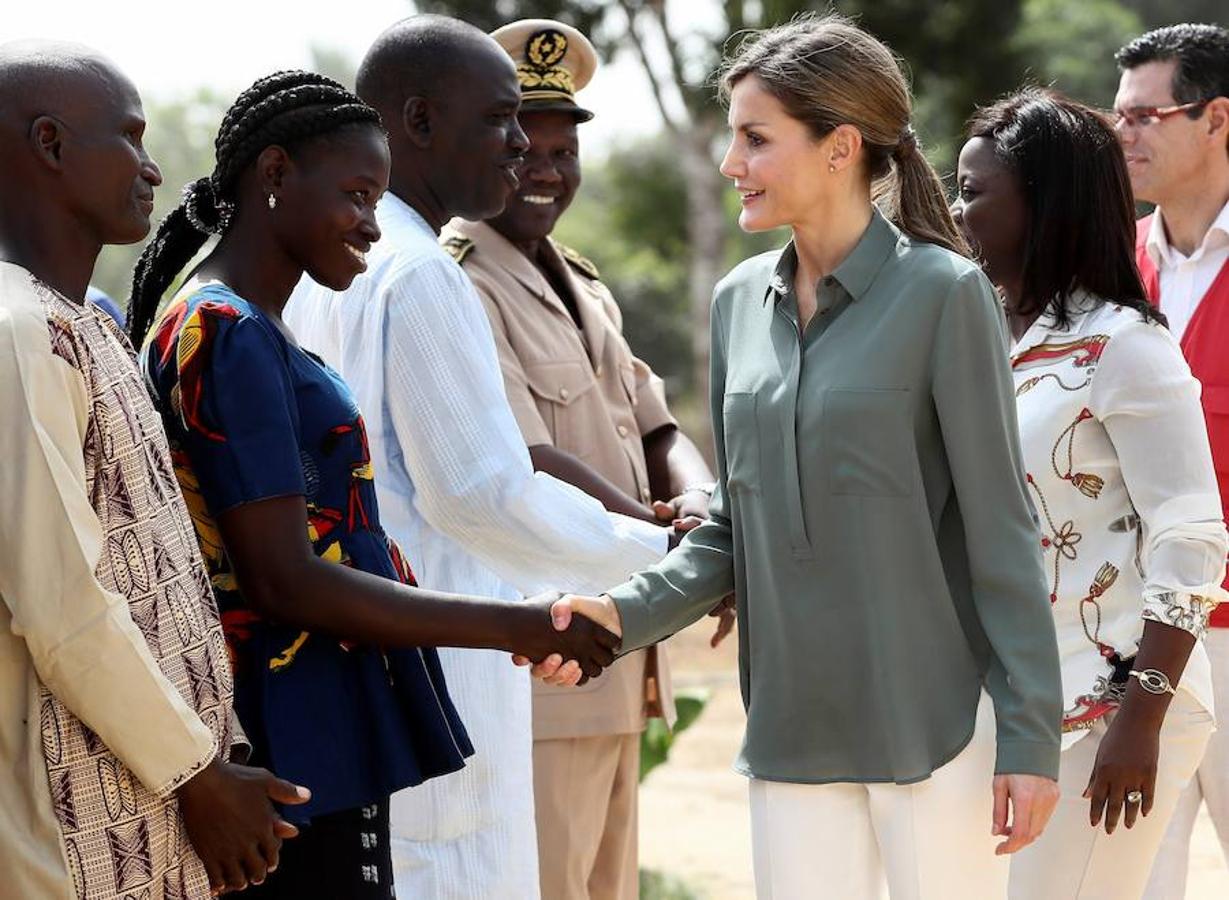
[(1209, 785), (1074, 861), (924, 841)]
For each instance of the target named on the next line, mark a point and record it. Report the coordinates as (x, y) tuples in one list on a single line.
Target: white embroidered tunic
[(1121, 476)]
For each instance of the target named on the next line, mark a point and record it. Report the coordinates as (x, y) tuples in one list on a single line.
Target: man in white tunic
[(456, 484)]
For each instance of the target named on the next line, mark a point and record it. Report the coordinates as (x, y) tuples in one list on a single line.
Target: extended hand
[(232, 825), (553, 669), (680, 528), (1031, 799), (690, 503), (583, 642), (1126, 762)]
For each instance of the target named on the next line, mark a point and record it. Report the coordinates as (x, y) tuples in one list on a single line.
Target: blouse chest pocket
[(742, 441), (561, 391), (870, 441)]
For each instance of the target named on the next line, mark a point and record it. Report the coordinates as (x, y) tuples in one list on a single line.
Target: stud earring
[(272, 202), (831, 167)]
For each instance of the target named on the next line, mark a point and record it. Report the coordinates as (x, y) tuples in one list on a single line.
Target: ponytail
[(179, 237), (826, 72), (913, 199)]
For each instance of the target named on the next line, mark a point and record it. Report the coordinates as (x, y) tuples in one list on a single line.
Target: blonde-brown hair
[(827, 72)]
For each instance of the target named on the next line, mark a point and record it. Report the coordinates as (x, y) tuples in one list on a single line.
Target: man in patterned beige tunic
[(115, 689)]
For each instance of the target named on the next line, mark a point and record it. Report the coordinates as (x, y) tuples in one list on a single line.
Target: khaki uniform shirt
[(583, 391), (115, 688)]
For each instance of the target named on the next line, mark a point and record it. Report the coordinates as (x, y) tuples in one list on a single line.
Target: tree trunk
[(706, 232)]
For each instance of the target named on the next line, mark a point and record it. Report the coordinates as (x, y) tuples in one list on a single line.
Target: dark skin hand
[(1127, 758), (229, 816), (74, 176)]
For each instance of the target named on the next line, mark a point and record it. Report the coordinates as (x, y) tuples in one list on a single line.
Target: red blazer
[(1206, 347)]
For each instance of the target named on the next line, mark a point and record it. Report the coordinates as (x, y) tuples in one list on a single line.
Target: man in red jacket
[(1172, 112)]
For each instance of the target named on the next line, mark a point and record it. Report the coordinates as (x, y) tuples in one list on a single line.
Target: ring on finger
[(1135, 796)]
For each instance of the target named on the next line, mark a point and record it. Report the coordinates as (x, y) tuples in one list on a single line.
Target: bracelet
[(1153, 681), (704, 487)]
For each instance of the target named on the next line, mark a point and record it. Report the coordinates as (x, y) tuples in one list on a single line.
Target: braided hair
[(285, 108)]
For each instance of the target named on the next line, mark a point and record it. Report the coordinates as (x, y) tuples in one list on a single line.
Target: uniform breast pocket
[(870, 441), (742, 442), (561, 391)]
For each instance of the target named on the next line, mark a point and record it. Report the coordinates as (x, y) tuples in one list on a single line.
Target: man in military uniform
[(593, 415)]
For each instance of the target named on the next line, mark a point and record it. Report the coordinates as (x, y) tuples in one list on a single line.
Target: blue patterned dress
[(251, 416)]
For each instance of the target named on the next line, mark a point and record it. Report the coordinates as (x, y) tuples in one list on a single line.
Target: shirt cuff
[(183, 776), (635, 616), (1028, 758), (1181, 610)]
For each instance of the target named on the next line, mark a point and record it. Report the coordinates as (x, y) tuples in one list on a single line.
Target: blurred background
[(654, 215)]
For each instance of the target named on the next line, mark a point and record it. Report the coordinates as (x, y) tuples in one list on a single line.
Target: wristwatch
[(1153, 681)]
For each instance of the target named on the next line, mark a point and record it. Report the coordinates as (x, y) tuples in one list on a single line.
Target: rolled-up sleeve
[(81, 638), (468, 460), (1148, 401), (974, 399)]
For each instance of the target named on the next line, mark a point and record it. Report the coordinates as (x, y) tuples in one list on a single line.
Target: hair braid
[(283, 109)]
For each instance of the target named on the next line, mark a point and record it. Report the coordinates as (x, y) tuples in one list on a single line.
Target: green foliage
[(656, 885), (657, 738), (1050, 29)]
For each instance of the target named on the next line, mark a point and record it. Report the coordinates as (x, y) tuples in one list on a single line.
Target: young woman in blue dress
[(325, 627)]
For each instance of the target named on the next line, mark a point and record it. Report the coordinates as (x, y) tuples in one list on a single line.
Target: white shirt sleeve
[(1148, 401), (465, 455), (81, 638)]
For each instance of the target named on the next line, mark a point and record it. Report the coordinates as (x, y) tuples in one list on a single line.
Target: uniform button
[(622, 429), (563, 394), (646, 495), (598, 372)]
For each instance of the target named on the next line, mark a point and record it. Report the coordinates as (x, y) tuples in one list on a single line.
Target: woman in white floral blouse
[(1121, 477)]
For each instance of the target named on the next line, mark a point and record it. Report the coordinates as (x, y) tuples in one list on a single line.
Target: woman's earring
[(831, 168), (272, 202)]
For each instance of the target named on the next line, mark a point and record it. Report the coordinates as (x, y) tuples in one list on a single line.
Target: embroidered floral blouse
[(1121, 476)]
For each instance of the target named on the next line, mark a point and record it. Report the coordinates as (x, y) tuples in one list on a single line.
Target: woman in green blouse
[(871, 510)]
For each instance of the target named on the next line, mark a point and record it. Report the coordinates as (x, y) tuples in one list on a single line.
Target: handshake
[(573, 648)]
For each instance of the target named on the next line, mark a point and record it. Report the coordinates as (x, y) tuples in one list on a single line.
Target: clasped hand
[(587, 642), (562, 666)]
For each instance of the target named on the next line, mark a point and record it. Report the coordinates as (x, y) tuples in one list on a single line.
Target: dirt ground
[(694, 825)]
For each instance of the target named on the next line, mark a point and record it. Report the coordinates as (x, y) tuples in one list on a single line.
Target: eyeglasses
[(1143, 116)]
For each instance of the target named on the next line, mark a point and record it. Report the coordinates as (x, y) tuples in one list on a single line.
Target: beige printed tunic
[(114, 683)]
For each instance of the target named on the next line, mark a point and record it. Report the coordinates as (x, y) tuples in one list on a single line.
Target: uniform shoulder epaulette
[(578, 262), (458, 247)]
